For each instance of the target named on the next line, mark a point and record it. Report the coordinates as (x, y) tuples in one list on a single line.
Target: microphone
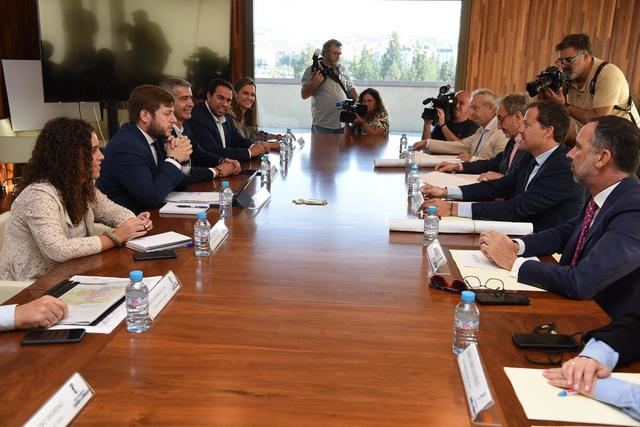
[(316, 53)]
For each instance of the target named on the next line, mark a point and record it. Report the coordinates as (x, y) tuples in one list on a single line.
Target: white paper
[(64, 405), (23, 79), (485, 273), (88, 302), (441, 179), (207, 197), (540, 400), (475, 382), (422, 160), (463, 226), (183, 208), (157, 241), (476, 259)]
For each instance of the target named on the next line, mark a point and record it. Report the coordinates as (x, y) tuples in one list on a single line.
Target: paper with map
[(87, 302)]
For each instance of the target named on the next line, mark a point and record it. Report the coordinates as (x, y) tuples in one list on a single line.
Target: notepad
[(204, 197), (158, 241), (183, 208), (441, 179)]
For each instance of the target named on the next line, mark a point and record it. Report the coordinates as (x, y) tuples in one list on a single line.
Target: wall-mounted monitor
[(99, 50)]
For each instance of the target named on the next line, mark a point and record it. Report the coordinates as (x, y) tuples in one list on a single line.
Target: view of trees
[(395, 63)]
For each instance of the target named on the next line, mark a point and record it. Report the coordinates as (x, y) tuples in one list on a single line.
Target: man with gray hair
[(326, 86), (510, 116), (485, 143)]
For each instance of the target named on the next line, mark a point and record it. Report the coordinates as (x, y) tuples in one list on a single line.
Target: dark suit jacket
[(608, 268), (551, 198), (207, 137), (499, 163), (129, 175), (198, 173), (622, 335)]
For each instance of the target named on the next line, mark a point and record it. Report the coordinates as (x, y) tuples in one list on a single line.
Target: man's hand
[(180, 148), (256, 150), (40, 313), (432, 191), (236, 165), (420, 144), (440, 112), (556, 96), (581, 374), (449, 167), (443, 208), (498, 248), (488, 176), (226, 169), (464, 156)]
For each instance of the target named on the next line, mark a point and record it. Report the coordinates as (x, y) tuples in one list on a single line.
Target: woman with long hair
[(52, 219), (375, 120)]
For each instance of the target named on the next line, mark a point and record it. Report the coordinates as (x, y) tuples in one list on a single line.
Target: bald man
[(460, 126)]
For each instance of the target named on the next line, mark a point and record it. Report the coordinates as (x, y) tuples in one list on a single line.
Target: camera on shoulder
[(445, 100), (552, 77), (348, 110)]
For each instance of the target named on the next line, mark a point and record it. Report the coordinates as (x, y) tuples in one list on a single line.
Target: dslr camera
[(445, 100), (318, 64), (348, 110), (552, 77)]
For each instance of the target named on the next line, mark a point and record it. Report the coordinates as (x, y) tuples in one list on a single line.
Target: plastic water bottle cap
[(202, 215), (225, 184), (135, 275), (432, 210), (415, 169), (265, 157), (410, 148), (404, 135), (288, 130), (468, 297)]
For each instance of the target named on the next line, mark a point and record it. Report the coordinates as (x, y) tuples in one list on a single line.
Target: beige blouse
[(40, 235)]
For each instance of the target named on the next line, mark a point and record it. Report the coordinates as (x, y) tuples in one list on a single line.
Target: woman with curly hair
[(52, 220), (375, 120)]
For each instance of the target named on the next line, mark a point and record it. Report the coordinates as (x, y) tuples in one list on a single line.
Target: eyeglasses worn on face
[(570, 59)]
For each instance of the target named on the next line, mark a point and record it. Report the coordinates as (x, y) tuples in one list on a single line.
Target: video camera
[(552, 77), (348, 110), (445, 100)]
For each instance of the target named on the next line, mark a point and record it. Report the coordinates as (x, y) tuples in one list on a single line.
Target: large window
[(382, 40)]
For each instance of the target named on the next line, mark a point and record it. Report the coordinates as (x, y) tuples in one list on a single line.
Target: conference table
[(306, 315)]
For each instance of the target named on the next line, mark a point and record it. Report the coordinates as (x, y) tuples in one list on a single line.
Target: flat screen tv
[(99, 50)]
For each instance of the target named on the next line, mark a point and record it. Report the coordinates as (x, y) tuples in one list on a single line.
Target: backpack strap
[(592, 84)]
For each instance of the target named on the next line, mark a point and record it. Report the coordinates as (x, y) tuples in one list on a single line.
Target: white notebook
[(208, 197), (166, 240), (183, 208)]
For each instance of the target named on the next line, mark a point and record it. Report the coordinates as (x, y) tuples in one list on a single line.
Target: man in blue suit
[(542, 192), (142, 162), (214, 132), (601, 246)]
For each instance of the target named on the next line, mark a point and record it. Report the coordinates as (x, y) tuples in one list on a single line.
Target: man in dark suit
[(142, 162), (213, 129), (543, 192), (183, 97), (601, 246), (510, 115)]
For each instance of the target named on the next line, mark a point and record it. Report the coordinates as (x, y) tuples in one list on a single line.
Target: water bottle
[(290, 139), (265, 169), (413, 180), (411, 157), (431, 225), (284, 151), (201, 230), (466, 322), (403, 143), (137, 301), (226, 200)]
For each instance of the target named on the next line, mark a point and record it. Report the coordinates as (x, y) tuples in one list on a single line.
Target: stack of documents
[(168, 240), (441, 179), (195, 197), (422, 160), (183, 208), (464, 225)]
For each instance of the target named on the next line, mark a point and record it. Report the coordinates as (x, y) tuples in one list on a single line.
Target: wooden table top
[(307, 315)]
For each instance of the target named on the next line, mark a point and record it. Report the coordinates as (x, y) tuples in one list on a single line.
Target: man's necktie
[(586, 224), (532, 168), (513, 154), (158, 145)]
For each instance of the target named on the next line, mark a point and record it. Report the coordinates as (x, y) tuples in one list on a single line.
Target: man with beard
[(143, 160)]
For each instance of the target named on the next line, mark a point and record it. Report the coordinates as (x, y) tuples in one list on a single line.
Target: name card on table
[(64, 405), (162, 293), (217, 234), (435, 256), (260, 198), (475, 382)]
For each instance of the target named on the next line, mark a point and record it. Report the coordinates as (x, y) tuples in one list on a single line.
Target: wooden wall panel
[(512, 41)]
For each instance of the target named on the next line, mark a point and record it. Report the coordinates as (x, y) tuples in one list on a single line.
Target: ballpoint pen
[(193, 206)]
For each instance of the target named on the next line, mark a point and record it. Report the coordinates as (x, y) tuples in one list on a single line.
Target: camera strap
[(336, 78), (628, 109)]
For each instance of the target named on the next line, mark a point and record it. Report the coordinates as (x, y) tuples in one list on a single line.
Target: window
[(382, 40)]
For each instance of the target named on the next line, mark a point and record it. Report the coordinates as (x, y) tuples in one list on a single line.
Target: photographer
[(460, 126), (375, 121), (596, 88), (326, 85)]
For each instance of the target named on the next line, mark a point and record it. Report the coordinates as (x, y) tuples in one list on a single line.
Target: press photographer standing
[(460, 126), (596, 87), (326, 86)]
